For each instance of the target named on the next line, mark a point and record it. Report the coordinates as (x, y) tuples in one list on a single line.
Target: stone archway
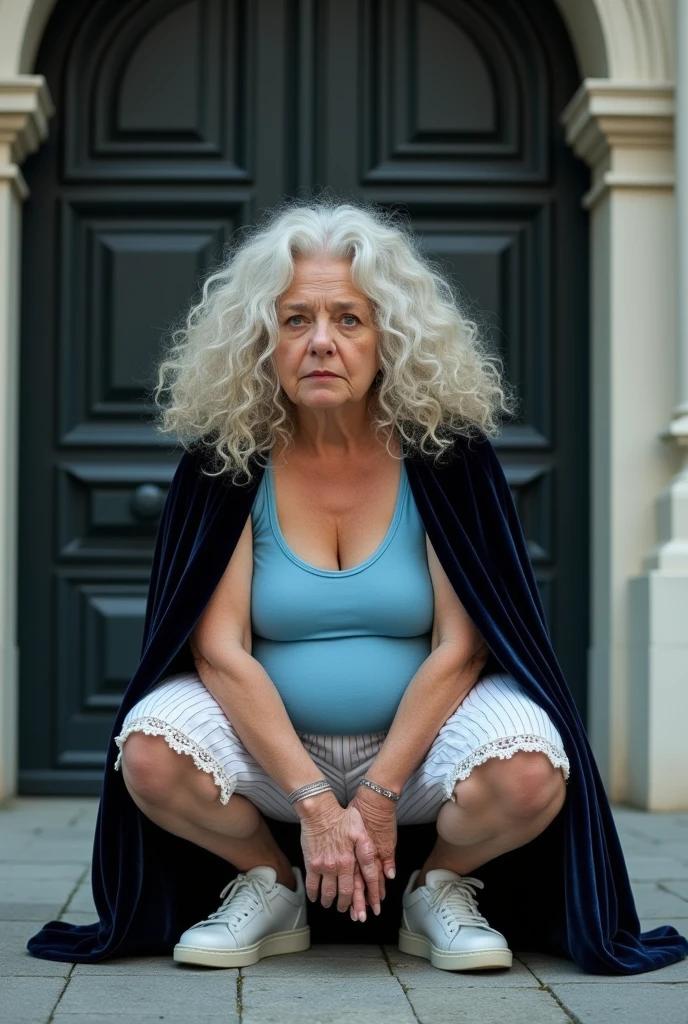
[(620, 121)]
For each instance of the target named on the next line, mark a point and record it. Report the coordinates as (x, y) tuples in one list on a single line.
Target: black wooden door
[(178, 122)]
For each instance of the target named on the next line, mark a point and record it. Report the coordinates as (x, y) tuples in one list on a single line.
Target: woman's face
[(325, 323)]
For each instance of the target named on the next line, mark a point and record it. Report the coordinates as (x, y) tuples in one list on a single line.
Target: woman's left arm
[(457, 657)]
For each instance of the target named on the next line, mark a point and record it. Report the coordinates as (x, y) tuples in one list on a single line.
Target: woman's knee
[(523, 785), (155, 773)]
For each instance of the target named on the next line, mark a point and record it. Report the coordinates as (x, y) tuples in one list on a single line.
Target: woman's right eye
[(292, 318)]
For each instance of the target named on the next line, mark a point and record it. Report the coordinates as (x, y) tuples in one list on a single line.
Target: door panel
[(130, 262), (178, 122), (160, 90), (455, 92)]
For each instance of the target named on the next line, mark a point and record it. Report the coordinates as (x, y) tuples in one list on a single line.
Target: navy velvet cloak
[(567, 892)]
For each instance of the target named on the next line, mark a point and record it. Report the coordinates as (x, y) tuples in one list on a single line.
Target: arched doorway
[(177, 122)]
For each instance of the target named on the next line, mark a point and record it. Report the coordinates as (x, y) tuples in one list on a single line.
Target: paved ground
[(44, 852)]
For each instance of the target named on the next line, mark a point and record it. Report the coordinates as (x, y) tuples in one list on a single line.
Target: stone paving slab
[(610, 1003), (658, 828), (677, 850), (16, 961), (653, 901), (639, 847), (486, 1006), (41, 850), (340, 962), (29, 1000), (679, 923), (213, 994), (39, 810), (81, 902), (677, 888), (32, 873), (145, 965), (414, 970), (551, 970), (656, 869), (309, 1001), (38, 912), (184, 1017), (60, 830), (293, 968), (38, 890)]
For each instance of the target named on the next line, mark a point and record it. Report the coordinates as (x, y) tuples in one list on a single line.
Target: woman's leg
[(170, 790), (502, 805)]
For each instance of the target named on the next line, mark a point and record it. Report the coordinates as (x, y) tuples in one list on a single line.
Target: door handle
[(147, 502)]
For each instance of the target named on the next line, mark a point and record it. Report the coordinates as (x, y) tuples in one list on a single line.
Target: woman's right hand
[(334, 841)]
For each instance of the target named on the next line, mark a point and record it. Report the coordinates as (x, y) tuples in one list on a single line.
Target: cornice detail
[(25, 108), (625, 133)]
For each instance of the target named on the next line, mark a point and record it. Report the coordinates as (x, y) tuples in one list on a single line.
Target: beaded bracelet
[(310, 789), (380, 789)]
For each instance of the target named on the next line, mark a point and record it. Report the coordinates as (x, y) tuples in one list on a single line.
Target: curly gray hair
[(217, 384)]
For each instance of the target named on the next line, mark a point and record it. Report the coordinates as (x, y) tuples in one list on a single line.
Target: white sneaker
[(442, 923), (258, 917)]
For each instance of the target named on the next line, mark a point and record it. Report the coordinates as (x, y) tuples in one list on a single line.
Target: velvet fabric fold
[(567, 892)]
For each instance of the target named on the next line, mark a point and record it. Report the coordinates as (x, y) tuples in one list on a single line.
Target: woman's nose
[(321, 338)]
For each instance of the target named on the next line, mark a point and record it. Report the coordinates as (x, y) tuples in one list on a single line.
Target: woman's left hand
[(379, 816)]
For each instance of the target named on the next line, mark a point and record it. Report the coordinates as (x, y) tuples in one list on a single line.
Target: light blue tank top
[(341, 646)]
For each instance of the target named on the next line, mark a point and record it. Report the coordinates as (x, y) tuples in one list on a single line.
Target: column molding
[(624, 131), (25, 107)]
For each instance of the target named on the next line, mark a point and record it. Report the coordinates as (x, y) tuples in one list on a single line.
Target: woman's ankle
[(459, 859), (262, 850), (286, 877)]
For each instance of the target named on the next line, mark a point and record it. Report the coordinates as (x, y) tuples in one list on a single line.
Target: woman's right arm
[(333, 839)]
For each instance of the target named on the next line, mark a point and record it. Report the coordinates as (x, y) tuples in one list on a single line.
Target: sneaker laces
[(457, 898), (240, 898)]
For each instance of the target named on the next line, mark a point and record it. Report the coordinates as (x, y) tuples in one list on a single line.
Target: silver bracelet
[(380, 789), (310, 789)]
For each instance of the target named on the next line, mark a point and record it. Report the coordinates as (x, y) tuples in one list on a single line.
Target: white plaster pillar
[(679, 426), (659, 596), (624, 131), (25, 107)]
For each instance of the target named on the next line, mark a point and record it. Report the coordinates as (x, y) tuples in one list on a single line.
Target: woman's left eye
[(352, 318)]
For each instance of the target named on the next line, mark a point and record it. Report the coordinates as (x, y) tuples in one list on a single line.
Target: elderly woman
[(339, 681), (352, 641)]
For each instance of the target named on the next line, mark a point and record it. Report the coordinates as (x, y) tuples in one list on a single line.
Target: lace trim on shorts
[(182, 744), (503, 748)]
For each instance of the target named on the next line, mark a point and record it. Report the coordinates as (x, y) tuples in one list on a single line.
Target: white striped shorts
[(495, 719)]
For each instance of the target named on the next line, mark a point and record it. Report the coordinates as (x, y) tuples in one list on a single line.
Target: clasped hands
[(349, 851)]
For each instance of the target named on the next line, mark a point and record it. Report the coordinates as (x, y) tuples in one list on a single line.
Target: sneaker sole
[(272, 945), (476, 960)]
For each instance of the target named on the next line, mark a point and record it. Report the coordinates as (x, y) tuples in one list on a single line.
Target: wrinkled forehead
[(319, 279)]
